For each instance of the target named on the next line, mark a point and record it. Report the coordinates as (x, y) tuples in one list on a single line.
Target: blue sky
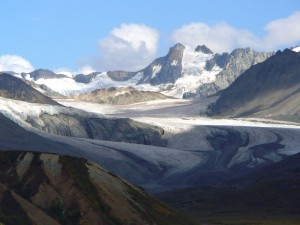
[(99, 35)]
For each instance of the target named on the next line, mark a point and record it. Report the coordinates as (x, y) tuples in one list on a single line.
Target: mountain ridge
[(270, 89), (182, 72), (15, 88)]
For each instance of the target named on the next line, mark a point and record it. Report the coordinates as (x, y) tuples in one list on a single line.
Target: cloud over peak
[(222, 37), (283, 32), (128, 47), (15, 63)]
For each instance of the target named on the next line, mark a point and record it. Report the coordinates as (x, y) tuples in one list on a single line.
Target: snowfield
[(174, 113)]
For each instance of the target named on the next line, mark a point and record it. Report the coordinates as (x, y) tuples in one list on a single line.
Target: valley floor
[(175, 113)]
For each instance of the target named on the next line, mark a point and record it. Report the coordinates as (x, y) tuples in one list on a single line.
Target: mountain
[(165, 69), (40, 188), (231, 66), (267, 196), (45, 74), (120, 96), (15, 88), (81, 78), (270, 89), (182, 73)]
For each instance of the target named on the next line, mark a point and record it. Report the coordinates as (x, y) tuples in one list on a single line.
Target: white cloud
[(128, 47), (283, 32), (15, 63), (64, 71), (222, 37), (83, 70)]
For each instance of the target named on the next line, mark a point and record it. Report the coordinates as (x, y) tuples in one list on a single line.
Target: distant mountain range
[(182, 73)]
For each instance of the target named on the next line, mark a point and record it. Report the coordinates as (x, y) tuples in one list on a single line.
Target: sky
[(81, 36)]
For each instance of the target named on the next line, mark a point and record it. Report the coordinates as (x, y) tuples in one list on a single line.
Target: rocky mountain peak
[(176, 52), (165, 69), (46, 74), (178, 46), (204, 49)]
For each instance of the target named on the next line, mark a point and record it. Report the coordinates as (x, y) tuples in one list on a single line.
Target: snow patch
[(156, 69), (296, 49), (174, 63), (122, 93)]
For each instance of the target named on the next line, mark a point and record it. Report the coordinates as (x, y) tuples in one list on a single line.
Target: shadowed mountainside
[(270, 89), (267, 196), (15, 88)]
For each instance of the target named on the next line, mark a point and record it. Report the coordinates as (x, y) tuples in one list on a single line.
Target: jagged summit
[(177, 46), (165, 69), (204, 49)]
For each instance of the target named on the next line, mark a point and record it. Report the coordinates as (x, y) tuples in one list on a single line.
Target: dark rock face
[(166, 69), (233, 65), (121, 130), (15, 88), (120, 75), (204, 49), (81, 78), (203, 91), (265, 89), (120, 96), (237, 62), (46, 74), (219, 60)]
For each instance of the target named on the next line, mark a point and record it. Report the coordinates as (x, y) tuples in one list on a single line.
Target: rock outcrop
[(45, 74), (232, 65), (165, 69), (120, 96)]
